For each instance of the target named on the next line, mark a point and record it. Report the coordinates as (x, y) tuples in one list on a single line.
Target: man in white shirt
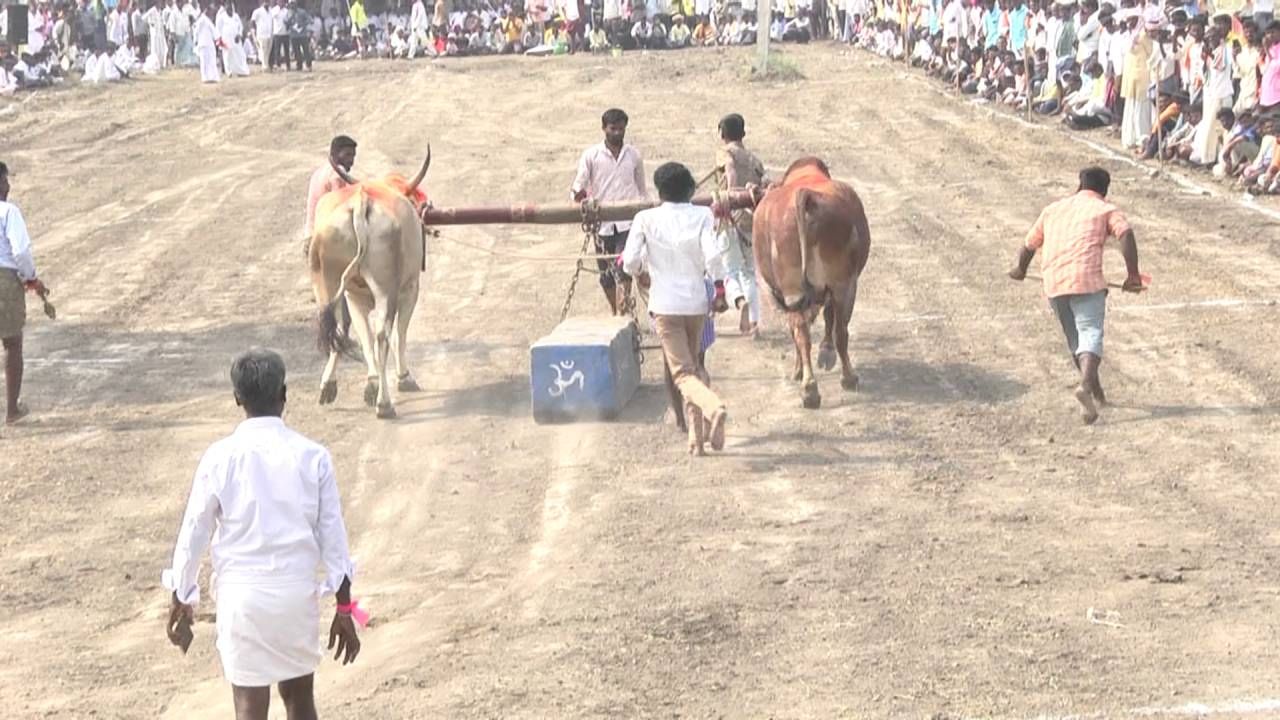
[(262, 32), (268, 499), (17, 275), (207, 47), (279, 36), (611, 172), (676, 245)]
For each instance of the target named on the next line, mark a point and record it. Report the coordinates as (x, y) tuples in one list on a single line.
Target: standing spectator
[(1134, 87), (207, 46), (1072, 233), (262, 33), (1269, 92), (1217, 95), (1246, 65), (279, 36), (17, 274), (158, 50), (299, 21), (267, 498), (231, 33), (359, 26)]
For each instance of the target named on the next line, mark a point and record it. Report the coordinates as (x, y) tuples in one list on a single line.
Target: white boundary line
[(1238, 706)]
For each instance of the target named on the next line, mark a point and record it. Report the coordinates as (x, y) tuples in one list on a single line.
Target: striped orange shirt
[(1070, 234)]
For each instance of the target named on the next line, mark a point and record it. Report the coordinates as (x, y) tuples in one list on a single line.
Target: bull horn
[(346, 176), (417, 180)]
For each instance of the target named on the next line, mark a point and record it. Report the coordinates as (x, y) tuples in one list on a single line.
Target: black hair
[(258, 377), (4, 169), (1095, 179), (340, 142), (733, 127), (1226, 116), (674, 182), (613, 116)]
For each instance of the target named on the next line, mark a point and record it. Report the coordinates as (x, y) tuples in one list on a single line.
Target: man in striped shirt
[(1071, 233)]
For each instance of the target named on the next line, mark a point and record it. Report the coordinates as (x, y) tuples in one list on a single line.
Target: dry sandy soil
[(929, 547)]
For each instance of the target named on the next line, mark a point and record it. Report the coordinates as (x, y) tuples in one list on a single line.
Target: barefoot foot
[(1088, 412)]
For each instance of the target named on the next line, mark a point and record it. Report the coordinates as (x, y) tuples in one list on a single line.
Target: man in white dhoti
[(207, 47), (158, 45), (268, 498), (419, 28), (230, 31)]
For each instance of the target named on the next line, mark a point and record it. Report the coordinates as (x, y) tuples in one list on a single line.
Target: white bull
[(368, 249)]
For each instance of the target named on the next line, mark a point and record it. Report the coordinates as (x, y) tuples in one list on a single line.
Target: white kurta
[(268, 499), (207, 49), (234, 60), (158, 45)]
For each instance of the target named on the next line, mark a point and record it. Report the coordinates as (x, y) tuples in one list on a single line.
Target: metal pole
[(563, 214)]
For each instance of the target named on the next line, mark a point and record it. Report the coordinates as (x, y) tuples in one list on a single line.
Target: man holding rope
[(1072, 233), (611, 172), (17, 274)]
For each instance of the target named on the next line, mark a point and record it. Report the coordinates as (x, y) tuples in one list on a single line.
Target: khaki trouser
[(681, 336)]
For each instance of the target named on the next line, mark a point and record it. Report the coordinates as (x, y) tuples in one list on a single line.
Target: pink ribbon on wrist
[(357, 613)]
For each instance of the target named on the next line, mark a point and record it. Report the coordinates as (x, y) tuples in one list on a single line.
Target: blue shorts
[(1081, 317)]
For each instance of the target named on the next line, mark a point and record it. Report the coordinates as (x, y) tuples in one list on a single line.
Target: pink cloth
[(323, 181), (1270, 91)]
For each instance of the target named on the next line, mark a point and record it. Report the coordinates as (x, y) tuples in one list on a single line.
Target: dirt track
[(928, 546)]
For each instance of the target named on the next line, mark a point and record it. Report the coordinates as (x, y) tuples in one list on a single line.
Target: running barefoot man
[(1072, 232), (611, 172), (17, 273), (268, 498), (676, 244)]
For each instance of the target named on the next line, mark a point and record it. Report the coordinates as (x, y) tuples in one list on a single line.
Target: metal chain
[(590, 236)]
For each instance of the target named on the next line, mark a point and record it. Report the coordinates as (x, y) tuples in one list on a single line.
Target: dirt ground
[(932, 546)]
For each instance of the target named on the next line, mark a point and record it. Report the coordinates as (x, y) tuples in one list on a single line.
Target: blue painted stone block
[(586, 369)]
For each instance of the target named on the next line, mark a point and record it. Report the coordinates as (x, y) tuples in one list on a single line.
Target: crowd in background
[(1187, 82)]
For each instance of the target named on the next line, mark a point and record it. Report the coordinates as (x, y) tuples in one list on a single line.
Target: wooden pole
[(563, 214), (763, 27), (1026, 68)]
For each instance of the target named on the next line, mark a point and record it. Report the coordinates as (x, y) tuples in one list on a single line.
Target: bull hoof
[(811, 399), (386, 412), (826, 357), (371, 393), (328, 392), (850, 383), (408, 384)]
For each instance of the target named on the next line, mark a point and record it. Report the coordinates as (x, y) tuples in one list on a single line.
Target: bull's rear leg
[(827, 351), (809, 396), (408, 301), (328, 385), (848, 378), (382, 322), (361, 305)]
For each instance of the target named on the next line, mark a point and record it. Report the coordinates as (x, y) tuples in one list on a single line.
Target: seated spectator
[(1261, 175), (8, 81), (1168, 120), (1177, 145), (1241, 144), (704, 33), (1087, 108), (598, 41), (799, 29), (642, 33), (1049, 102), (679, 35)]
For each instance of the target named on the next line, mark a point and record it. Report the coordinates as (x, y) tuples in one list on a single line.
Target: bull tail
[(805, 299), (335, 318)]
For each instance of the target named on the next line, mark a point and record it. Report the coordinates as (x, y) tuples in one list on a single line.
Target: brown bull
[(368, 249), (811, 242)]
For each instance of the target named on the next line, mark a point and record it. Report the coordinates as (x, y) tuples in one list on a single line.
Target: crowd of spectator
[(1191, 83)]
